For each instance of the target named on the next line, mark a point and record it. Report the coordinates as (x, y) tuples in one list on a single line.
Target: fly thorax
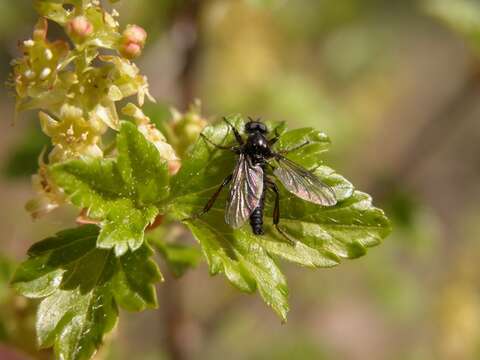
[(257, 159), (257, 144)]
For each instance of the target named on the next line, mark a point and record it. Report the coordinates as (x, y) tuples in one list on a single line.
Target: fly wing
[(303, 183), (245, 192)]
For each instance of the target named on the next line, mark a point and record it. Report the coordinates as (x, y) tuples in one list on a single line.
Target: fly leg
[(276, 212), (283, 152), (238, 137), (274, 140), (221, 147), (212, 200)]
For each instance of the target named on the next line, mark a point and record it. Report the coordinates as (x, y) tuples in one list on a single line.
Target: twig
[(174, 318), (430, 138), (187, 23)]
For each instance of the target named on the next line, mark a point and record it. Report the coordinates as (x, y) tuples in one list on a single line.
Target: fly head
[(255, 126)]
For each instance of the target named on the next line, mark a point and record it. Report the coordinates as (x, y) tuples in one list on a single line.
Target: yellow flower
[(72, 135), (37, 71), (127, 79)]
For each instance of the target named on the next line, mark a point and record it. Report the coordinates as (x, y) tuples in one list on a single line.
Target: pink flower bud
[(135, 34), (174, 166), (133, 40), (80, 26), (131, 50)]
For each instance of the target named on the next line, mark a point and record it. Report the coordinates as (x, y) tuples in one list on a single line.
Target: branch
[(187, 23)]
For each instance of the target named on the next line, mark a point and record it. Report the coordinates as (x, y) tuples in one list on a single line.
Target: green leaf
[(52, 10), (140, 166), (82, 286), (179, 257), (121, 193), (324, 235), (135, 271)]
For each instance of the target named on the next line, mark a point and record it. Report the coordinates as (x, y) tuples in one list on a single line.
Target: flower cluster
[(76, 85)]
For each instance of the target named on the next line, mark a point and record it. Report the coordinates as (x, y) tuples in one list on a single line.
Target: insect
[(251, 179)]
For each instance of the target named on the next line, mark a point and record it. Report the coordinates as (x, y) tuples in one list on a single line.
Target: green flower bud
[(187, 126), (49, 196)]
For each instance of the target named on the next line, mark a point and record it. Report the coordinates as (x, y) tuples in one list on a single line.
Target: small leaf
[(81, 286), (75, 323), (178, 257), (136, 270), (52, 10), (122, 194), (324, 235)]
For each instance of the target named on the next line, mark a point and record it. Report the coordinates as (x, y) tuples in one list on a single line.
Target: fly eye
[(262, 128), (254, 126)]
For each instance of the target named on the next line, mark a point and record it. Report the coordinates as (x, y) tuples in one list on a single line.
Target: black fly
[(250, 182)]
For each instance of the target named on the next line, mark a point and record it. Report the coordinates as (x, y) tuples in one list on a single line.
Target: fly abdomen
[(256, 221)]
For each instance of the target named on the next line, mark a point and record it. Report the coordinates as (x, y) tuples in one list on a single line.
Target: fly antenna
[(259, 119)]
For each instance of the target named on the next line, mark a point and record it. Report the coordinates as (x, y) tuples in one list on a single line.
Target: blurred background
[(396, 85)]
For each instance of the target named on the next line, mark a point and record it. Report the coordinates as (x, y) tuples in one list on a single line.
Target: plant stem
[(174, 318), (431, 137), (188, 24)]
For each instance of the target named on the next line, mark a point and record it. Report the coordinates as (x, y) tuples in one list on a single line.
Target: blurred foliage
[(463, 16), (6, 271), (178, 257), (458, 306), (22, 161), (17, 315), (328, 70)]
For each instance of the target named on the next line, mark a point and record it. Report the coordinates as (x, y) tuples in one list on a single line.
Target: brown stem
[(432, 135), (430, 138), (174, 318), (187, 25)]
